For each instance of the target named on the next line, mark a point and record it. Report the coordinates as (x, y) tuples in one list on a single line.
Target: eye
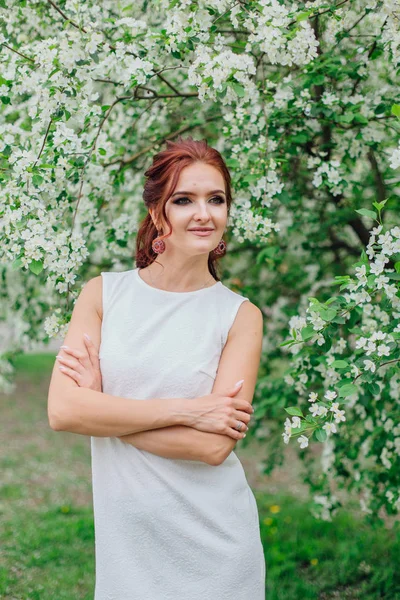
[(219, 199), (179, 200)]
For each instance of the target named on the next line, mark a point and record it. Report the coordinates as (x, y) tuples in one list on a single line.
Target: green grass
[(311, 559), (46, 519)]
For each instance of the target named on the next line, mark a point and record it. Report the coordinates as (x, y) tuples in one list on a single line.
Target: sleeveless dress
[(169, 529)]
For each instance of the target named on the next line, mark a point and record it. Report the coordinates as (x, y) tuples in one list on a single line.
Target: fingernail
[(244, 435), (239, 382), (64, 346), (86, 336), (252, 409)]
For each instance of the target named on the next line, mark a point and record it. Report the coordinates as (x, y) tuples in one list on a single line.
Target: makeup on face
[(198, 202)]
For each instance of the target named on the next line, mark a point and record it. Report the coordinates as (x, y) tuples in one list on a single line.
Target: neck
[(183, 277)]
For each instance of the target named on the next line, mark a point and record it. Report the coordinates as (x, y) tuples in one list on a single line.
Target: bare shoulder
[(93, 289), (249, 318), (85, 318)]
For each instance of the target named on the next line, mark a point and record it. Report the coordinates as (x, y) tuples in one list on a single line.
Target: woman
[(175, 518)]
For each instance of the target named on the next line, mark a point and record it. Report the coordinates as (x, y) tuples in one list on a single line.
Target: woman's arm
[(178, 441), (91, 412)]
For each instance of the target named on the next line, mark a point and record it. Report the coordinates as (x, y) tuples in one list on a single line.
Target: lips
[(201, 232), (201, 229)]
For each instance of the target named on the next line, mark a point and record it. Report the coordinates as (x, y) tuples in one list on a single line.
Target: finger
[(82, 357), (244, 406), (71, 373), (235, 389), (241, 416), (235, 424), (235, 434), (92, 350), (75, 353), (73, 364), (240, 404)]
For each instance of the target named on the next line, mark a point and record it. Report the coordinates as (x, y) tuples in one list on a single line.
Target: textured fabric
[(169, 529)]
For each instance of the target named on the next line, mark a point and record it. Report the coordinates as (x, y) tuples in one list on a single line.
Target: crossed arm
[(179, 441), (240, 359)]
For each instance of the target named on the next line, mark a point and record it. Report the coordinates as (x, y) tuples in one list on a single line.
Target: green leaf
[(16, 264), (82, 61), (294, 411), (347, 381), (379, 205), (102, 151), (36, 266), (37, 180), (238, 88), (359, 118), (373, 388), (396, 110), (321, 434), (233, 163), (326, 346), (367, 213), (299, 138), (346, 117), (6, 152), (307, 333), (303, 16), (266, 254), (318, 79), (339, 279), (340, 364), (347, 390), (327, 314), (311, 419), (339, 320)]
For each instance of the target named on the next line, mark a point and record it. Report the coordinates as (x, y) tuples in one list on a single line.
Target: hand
[(83, 367), (220, 413)]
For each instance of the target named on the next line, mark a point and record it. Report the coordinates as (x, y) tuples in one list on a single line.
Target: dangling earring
[(158, 245), (220, 249)]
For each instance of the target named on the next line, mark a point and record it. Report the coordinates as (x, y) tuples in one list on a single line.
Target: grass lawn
[(46, 519)]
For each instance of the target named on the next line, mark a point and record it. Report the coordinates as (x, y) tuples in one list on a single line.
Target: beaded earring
[(220, 249), (158, 245)]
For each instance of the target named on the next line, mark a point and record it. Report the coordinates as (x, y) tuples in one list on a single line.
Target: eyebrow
[(193, 194)]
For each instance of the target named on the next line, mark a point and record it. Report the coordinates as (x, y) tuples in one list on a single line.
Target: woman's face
[(198, 201)]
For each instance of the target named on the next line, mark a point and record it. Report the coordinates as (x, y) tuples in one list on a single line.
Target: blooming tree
[(302, 101), (357, 373)]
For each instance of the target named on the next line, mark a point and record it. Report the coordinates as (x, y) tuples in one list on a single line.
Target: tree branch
[(380, 184), (128, 161), (19, 53)]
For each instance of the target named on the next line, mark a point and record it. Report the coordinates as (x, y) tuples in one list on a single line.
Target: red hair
[(162, 178)]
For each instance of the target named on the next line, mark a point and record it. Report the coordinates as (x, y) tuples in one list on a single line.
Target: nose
[(202, 212)]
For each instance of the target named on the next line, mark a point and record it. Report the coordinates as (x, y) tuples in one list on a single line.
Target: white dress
[(168, 529)]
